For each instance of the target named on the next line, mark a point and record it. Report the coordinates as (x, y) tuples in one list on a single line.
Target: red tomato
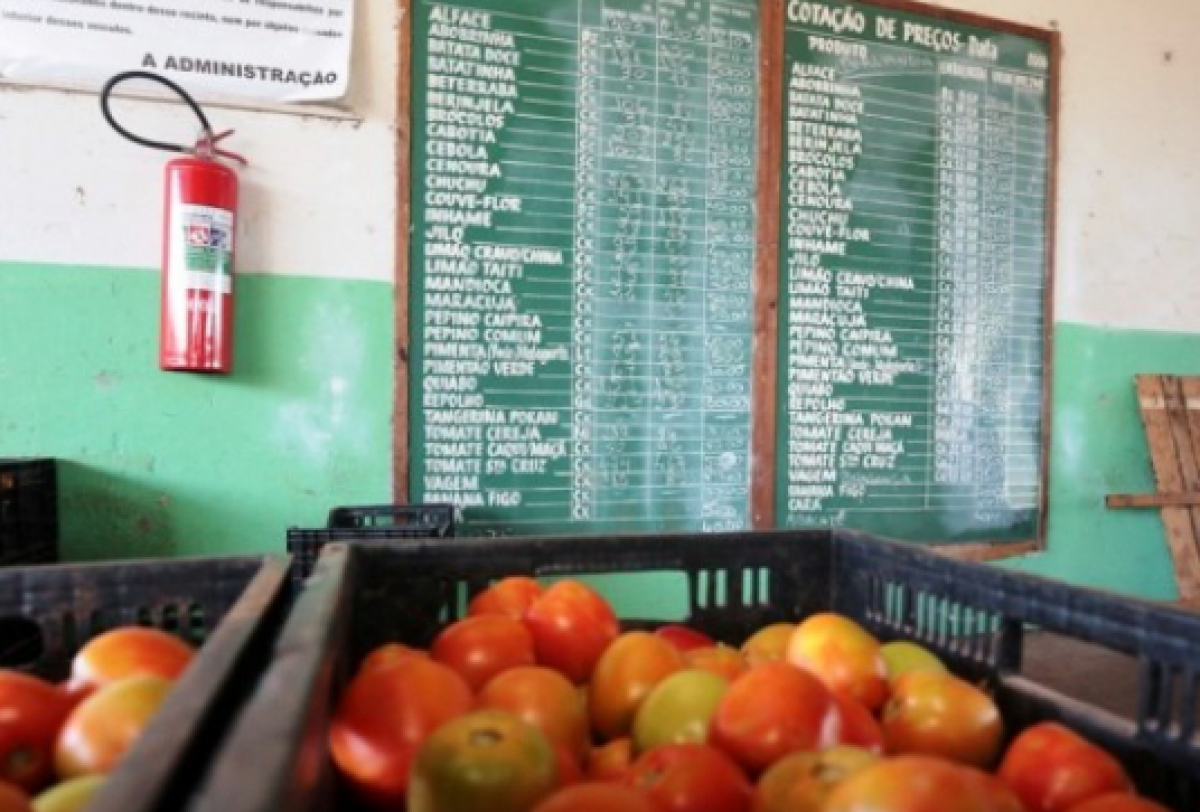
[(596, 796), (570, 770), (859, 728), (483, 760), (545, 699), (389, 653), (510, 596), (802, 782), (76, 692), (481, 647), (767, 644), (691, 778), (772, 710), (13, 799), (938, 714), (920, 784), (130, 651), (31, 713), (106, 725), (625, 673), (571, 625), (843, 655), (610, 761), (724, 661), (1118, 802), (1053, 768), (684, 638), (383, 716)]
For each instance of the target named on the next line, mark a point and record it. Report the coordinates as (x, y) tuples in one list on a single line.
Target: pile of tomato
[(538, 701), (59, 741)]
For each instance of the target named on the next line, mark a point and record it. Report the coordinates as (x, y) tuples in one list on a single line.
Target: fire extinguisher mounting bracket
[(206, 143)]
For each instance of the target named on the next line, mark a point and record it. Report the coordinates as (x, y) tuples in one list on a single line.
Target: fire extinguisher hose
[(206, 144)]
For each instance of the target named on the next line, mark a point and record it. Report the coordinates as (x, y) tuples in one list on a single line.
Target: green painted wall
[(1099, 447), (158, 464)]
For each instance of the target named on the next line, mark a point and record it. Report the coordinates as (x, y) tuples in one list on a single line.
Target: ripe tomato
[(570, 769), (130, 651), (483, 760), (768, 644), (843, 655), (691, 778), (772, 710), (1118, 802), (610, 761), (624, 675), (939, 714), (103, 728), (596, 796), (72, 795), (1053, 768), (389, 653), (802, 782), (920, 784), (543, 698), (481, 647), (571, 625), (511, 596), (13, 799), (31, 713), (383, 715), (684, 638), (76, 692), (725, 661), (859, 728)]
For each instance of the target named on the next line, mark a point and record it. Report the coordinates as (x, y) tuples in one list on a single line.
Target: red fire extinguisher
[(200, 204)]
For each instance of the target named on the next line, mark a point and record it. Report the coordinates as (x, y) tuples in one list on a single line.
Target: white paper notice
[(270, 50)]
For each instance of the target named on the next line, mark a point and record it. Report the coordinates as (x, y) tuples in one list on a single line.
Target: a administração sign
[(268, 50)]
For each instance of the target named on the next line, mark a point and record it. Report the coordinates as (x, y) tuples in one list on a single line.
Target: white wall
[(320, 196), (318, 199), (1128, 252)]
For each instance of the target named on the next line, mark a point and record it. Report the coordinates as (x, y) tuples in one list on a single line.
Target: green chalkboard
[(914, 247), (703, 265), (582, 259)]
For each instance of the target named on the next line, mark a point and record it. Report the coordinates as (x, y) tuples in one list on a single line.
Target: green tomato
[(678, 710), (487, 759), (72, 795)]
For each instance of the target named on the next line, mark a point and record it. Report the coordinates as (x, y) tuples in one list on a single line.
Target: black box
[(28, 511), (977, 617), (368, 521), (231, 607)]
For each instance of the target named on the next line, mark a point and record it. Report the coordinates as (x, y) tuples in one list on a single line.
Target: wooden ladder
[(1170, 406)]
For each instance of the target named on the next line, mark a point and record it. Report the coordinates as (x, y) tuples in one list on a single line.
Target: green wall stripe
[(157, 463), (168, 464)]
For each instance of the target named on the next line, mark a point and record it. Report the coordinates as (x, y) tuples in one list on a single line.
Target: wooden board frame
[(401, 427), (764, 415)]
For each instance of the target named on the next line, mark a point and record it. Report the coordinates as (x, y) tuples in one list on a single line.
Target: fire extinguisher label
[(202, 252)]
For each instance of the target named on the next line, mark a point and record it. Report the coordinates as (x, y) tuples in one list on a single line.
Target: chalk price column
[(913, 253), (493, 264)]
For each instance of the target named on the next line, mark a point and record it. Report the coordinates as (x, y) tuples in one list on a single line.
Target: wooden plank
[(1190, 391), (1177, 521), (1118, 501), (766, 310), (1180, 433)]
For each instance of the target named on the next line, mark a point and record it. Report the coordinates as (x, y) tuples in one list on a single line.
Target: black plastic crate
[(369, 521), (28, 511), (979, 618), (229, 607)]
